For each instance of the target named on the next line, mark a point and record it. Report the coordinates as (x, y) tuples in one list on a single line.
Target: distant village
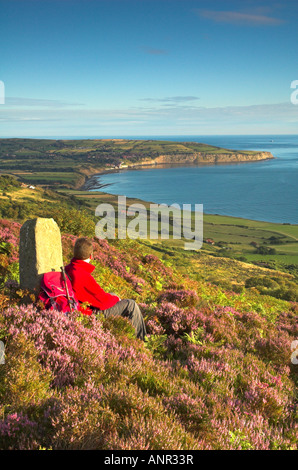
[(117, 167)]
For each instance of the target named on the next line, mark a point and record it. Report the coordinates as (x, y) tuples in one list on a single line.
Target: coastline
[(111, 198), (97, 188), (88, 184)]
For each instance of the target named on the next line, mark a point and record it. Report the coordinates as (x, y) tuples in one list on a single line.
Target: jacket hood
[(83, 265)]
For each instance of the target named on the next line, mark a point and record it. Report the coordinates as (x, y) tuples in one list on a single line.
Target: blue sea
[(265, 190)]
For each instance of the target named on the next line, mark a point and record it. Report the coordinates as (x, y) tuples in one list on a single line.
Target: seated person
[(87, 290)]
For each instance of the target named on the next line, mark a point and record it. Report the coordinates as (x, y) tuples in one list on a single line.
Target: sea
[(263, 190)]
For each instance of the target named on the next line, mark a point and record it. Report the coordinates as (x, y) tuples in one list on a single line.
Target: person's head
[(83, 249)]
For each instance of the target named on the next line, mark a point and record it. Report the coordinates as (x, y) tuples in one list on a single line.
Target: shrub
[(23, 381), (278, 287), (8, 183), (17, 432), (182, 298), (71, 220), (265, 250), (71, 350), (214, 373)]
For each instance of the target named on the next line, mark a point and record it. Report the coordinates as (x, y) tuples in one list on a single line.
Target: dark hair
[(83, 248)]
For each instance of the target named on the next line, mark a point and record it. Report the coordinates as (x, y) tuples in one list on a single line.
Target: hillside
[(68, 163), (268, 245), (216, 371)]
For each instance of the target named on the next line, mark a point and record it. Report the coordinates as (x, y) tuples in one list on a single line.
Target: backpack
[(55, 295)]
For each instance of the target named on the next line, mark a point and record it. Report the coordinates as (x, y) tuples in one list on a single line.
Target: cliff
[(201, 157), (69, 163)]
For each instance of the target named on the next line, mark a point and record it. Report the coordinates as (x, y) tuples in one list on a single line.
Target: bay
[(264, 190)]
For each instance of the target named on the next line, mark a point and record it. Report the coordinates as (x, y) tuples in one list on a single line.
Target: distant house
[(210, 241), (31, 187), (254, 244)]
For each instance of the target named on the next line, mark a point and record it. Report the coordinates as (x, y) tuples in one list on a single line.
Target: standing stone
[(40, 251)]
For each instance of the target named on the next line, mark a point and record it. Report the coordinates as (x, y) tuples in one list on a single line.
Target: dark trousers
[(128, 308)]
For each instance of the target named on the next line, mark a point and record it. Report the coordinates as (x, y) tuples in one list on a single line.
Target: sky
[(118, 68)]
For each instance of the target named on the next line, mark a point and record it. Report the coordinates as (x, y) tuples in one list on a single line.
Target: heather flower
[(143, 433), (177, 320), (17, 432), (65, 346), (9, 239), (190, 411), (182, 298), (154, 327), (276, 346), (215, 372)]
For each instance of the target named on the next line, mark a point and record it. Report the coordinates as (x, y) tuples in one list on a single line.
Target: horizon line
[(142, 136)]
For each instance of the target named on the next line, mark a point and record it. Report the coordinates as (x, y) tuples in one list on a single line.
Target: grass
[(67, 159), (214, 373), (49, 177), (232, 233), (232, 236)]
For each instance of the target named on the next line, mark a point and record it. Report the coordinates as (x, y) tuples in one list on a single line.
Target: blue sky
[(147, 67)]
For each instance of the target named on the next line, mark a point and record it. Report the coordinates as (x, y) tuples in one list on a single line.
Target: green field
[(232, 236), (240, 250), (64, 165), (45, 178), (33, 160)]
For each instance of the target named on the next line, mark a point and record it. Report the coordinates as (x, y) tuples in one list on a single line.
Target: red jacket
[(86, 288)]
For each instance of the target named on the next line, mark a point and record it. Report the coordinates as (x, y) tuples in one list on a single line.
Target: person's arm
[(101, 297), (112, 293)]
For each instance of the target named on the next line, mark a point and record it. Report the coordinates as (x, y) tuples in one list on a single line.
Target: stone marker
[(40, 251)]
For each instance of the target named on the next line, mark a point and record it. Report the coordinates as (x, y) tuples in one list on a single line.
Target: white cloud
[(181, 119), (239, 18), (171, 99), (18, 101)]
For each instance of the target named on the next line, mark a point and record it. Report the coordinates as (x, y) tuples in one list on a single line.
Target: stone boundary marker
[(40, 251)]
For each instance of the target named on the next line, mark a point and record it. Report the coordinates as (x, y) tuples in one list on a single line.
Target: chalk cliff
[(202, 157)]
